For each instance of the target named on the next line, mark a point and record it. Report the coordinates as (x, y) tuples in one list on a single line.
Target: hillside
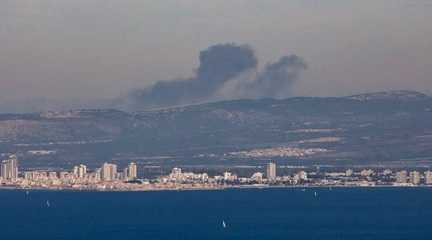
[(370, 128)]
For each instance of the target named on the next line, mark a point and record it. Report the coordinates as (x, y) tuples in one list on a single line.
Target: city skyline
[(107, 177)]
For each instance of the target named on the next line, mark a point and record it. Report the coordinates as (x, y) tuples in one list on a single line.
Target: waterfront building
[(387, 172), (132, 171), (75, 171), (176, 171), (36, 176), (367, 172), (178, 176), (257, 177), (109, 172), (428, 177), (401, 176), (9, 168), (415, 177), (125, 174), (82, 171), (28, 175), (98, 175), (228, 176), (271, 171), (349, 172), (302, 175)]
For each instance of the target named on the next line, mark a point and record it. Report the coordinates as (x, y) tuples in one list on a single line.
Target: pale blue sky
[(103, 48)]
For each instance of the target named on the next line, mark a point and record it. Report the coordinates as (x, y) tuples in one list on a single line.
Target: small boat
[(48, 203), (315, 194), (224, 224)]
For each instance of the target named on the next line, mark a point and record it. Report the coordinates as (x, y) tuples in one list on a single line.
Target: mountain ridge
[(378, 129)]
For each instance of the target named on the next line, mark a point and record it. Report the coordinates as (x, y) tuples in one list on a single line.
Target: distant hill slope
[(376, 127), (401, 95)]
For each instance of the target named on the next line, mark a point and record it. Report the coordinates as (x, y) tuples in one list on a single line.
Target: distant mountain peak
[(403, 95)]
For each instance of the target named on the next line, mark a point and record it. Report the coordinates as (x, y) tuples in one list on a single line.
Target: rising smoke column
[(276, 79), (218, 64), (223, 73)]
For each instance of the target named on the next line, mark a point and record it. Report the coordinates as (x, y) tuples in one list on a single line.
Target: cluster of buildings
[(413, 178), (108, 177), (369, 177), (80, 177), (350, 177), (80, 174)]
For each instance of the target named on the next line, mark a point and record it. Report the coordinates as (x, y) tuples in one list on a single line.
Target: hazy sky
[(104, 48)]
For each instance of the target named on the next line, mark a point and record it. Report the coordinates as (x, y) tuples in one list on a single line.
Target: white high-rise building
[(428, 177), (9, 168), (82, 171), (415, 177), (401, 176), (75, 171), (97, 174), (271, 171), (132, 171), (109, 172), (125, 174), (228, 176)]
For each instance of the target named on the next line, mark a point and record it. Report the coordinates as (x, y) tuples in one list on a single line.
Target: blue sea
[(278, 213)]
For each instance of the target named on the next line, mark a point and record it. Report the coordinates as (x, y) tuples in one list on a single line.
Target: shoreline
[(10, 188)]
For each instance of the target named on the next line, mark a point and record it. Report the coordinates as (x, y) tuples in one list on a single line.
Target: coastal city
[(110, 177)]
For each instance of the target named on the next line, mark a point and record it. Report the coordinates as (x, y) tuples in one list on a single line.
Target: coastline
[(11, 188)]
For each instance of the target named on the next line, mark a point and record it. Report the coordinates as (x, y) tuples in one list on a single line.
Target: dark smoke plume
[(276, 78), (220, 67), (218, 64)]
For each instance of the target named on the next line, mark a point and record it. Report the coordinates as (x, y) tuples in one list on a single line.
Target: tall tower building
[(415, 177), (125, 175), (428, 177), (98, 173), (75, 171), (109, 172), (82, 171), (401, 176), (132, 171), (9, 168), (271, 171)]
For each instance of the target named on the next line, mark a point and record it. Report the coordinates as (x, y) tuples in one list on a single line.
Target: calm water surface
[(340, 213)]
